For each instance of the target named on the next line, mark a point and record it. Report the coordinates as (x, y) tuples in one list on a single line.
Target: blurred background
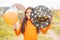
[(7, 31)]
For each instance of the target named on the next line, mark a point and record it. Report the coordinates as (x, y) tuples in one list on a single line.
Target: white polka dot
[(50, 13), (48, 16), (41, 26), (39, 9), (31, 18), (32, 14), (44, 14), (35, 16), (35, 11), (37, 25), (46, 23), (39, 15), (35, 21), (48, 10), (45, 8)]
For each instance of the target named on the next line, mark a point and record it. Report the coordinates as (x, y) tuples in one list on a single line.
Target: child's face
[(28, 12)]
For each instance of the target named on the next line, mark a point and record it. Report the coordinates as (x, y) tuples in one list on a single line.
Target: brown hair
[(24, 20)]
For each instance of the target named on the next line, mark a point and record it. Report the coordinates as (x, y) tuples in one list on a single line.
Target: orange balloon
[(10, 17)]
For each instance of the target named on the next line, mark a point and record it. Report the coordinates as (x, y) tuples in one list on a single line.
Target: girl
[(29, 31)]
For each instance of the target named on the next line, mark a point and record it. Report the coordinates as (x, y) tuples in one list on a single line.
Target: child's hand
[(16, 25), (17, 28)]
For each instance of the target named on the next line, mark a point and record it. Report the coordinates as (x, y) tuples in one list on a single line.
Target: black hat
[(41, 16)]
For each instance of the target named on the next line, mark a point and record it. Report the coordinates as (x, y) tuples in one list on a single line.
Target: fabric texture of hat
[(41, 16)]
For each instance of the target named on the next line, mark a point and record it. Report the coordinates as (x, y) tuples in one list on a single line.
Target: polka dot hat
[(41, 16)]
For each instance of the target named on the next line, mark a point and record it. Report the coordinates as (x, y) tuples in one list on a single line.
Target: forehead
[(29, 10)]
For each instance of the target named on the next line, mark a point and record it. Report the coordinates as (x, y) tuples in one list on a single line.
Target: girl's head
[(28, 11)]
